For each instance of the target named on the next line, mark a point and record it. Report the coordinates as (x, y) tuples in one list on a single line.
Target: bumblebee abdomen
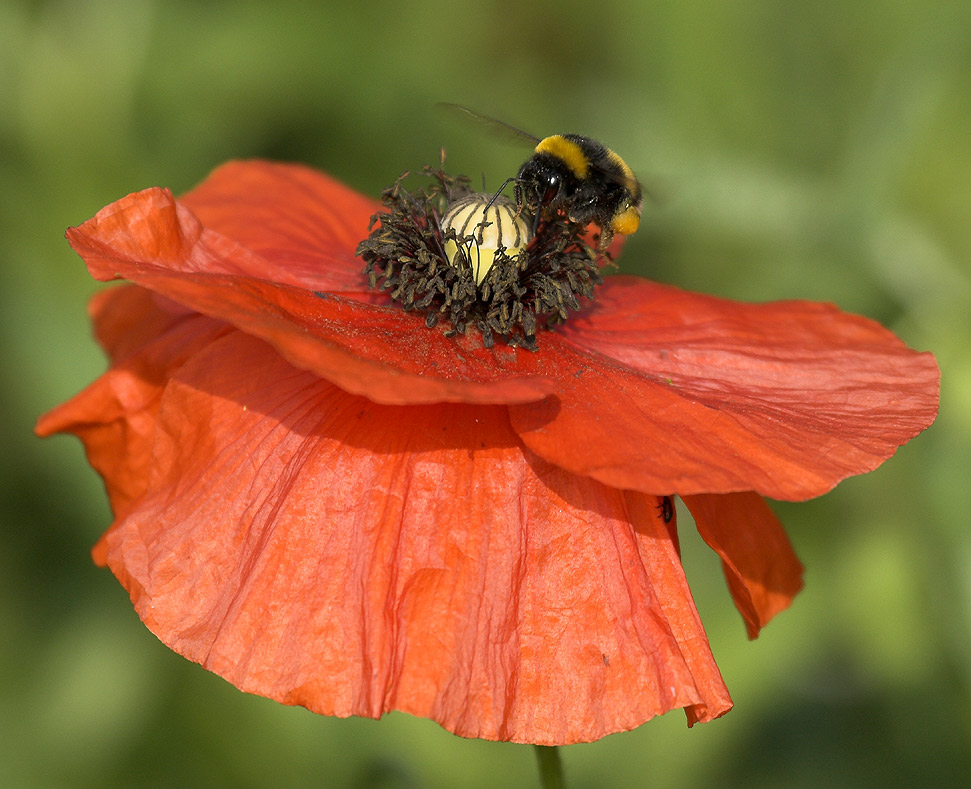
[(626, 175)]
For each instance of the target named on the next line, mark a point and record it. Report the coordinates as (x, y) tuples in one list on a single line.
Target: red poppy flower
[(327, 503)]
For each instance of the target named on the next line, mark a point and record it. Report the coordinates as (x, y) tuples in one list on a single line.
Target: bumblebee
[(576, 175)]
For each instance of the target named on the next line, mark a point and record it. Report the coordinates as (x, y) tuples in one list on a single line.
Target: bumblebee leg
[(606, 236)]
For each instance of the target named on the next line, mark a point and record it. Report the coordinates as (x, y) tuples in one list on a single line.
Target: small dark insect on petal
[(667, 508)]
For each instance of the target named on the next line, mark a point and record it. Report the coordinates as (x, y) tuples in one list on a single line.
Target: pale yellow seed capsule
[(499, 225)]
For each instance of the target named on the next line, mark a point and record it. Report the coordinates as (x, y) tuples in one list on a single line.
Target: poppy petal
[(126, 318), (762, 570), (675, 392), (294, 215), (667, 573), (115, 416), (317, 548), (382, 352), (150, 227)]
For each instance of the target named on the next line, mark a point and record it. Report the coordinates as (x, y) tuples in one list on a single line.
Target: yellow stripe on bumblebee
[(568, 151)]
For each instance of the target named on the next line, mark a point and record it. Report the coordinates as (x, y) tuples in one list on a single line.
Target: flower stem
[(550, 767)]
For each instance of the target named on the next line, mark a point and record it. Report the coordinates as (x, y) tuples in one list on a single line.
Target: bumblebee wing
[(499, 127)]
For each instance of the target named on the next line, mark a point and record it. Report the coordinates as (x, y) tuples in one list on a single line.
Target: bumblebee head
[(539, 181)]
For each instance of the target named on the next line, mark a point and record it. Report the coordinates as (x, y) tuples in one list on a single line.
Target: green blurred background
[(816, 150)]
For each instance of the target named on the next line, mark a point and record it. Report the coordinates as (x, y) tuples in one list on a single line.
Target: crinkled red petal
[(319, 549), (382, 352), (763, 572), (126, 318), (115, 416), (301, 219), (675, 392)]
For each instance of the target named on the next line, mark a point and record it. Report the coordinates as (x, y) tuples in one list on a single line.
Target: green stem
[(550, 767)]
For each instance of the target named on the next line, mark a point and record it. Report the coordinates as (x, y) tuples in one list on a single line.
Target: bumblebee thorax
[(567, 150)]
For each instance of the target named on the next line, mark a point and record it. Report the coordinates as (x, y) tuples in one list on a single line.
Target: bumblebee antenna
[(499, 191)]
